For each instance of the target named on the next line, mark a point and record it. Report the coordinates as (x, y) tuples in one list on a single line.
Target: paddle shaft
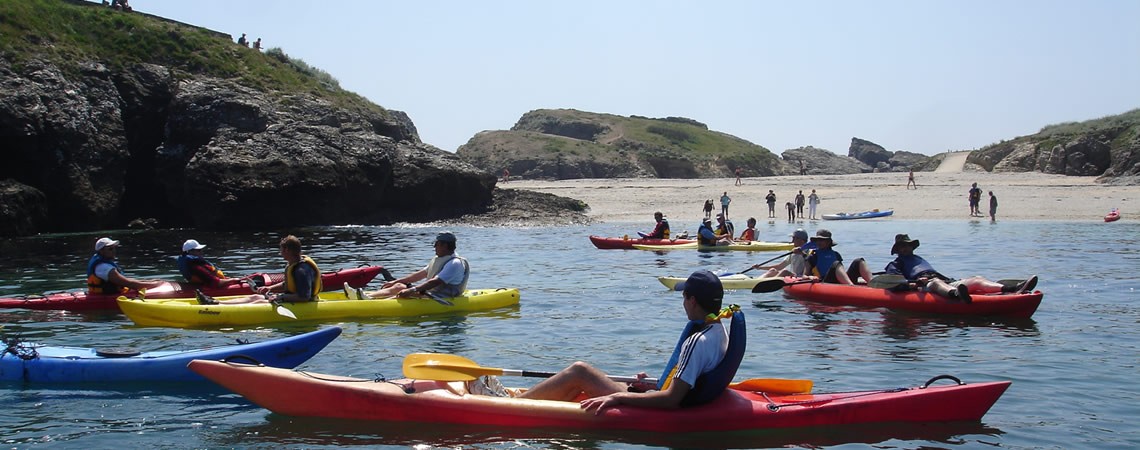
[(766, 262), (530, 374)]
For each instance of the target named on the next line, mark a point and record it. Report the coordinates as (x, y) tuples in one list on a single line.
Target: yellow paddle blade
[(443, 367), (774, 386)]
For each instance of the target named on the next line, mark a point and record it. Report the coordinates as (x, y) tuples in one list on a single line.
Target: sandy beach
[(940, 195)]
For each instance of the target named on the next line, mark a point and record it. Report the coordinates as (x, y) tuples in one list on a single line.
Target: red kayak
[(996, 304), (613, 243), (82, 301), (331, 396), (1112, 216)]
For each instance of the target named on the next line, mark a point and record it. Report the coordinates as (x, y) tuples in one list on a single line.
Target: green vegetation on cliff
[(72, 32)]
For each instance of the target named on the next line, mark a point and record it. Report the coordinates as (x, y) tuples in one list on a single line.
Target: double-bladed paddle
[(445, 367), (280, 309), (886, 281)]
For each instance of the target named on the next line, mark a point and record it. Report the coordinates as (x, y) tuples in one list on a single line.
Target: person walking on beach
[(813, 202), (910, 181), (800, 204), (724, 201), (975, 197), (708, 209), (771, 199), (738, 171), (993, 207)]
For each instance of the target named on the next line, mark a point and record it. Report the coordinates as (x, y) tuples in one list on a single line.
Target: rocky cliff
[(91, 143), (1107, 147), (563, 144)]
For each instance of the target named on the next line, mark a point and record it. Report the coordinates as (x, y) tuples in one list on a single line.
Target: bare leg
[(255, 298), (979, 285), (578, 379), (387, 292)]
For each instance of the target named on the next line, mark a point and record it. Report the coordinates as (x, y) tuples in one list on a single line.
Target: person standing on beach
[(738, 172), (993, 207), (724, 201), (708, 209), (791, 211), (813, 202), (975, 197), (800, 204), (910, 181), (771, 199)]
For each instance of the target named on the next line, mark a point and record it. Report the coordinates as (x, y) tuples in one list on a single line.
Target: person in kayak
[(699, 354), (707, 236), (921, 275), (749, 234), (660, 231), (104, 275), (198, 271), (446, 275), (826, 264), (793, 265), (302, 280)]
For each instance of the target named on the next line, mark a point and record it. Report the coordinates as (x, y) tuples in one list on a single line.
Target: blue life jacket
[(711, 384), (823, 260), (705, 236), (96, 285), (912, 267)]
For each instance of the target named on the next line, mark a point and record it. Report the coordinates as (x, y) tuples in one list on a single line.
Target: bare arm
[(667, 399), (118, 279)]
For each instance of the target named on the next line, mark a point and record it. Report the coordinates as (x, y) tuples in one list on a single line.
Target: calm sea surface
[(1073, 366)]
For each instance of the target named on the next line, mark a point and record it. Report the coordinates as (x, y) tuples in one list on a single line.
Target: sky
[(921, 76)]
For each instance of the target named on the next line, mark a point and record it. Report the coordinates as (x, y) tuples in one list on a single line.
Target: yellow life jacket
[(291, 283)]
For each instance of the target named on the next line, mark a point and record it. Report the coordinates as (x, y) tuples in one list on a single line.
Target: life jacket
[(705, 240), (726, 228), (710, 384), (291, 282), (913, 267), (188, 265), (96, 285), (435, 266), (662, 229), (824, 259)]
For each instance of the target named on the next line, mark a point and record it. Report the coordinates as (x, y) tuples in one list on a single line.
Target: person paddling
[(445, 275), (660, 231), (302, 280), (700, 353), (104, 275)]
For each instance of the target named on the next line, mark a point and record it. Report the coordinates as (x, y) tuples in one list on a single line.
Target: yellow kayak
[(332, 305), (750, 246), (734, 281)]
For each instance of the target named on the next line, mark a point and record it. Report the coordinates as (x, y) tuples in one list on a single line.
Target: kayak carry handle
[(941, 377), (251, 360)]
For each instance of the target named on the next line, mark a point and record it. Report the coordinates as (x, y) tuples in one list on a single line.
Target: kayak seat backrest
[(712, 384)]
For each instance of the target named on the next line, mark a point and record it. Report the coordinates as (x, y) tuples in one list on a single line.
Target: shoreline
[(940, 195)]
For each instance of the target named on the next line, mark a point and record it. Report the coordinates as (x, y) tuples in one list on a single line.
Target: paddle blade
[(887, 281), (443, 367), (774, 386), (768, 286)]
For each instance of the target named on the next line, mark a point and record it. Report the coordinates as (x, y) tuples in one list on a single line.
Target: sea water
[(1073, 365)]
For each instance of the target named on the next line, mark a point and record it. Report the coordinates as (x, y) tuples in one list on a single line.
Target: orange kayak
[(1009, 305)]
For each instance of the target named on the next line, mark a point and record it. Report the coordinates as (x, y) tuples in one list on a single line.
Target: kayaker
[(446, 274), (793, 265), (923, 276), (302, 280), (749, 233), (724, 228), (700, 353), (706, 235), (826, 264), (197, 270), (660, 231), (104, 275)]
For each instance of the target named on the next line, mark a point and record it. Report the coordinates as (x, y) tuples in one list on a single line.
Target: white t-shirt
[(701, 353), (795, 264), (103, 271)]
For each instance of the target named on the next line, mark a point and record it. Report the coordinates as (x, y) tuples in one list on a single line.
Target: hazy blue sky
[(923, 76)]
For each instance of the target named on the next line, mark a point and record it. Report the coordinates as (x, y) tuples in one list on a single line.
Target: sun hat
[(903, 239), (799, 233), (707, 289), (822, 234), (191, 244), (105, 241), (445, 236)]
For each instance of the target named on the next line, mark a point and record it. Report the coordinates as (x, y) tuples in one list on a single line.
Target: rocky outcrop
[(817, 161), (104, 147), (566, 144), (882, 160), (23, 209)]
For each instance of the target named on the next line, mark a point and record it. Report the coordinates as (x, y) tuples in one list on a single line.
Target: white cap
[(103, 242), (191, 244)]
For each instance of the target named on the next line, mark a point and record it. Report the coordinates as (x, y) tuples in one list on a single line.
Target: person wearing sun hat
[(922, 275), (197, 270), (445, 276), (104, 276), (699, 353), (826, 264)]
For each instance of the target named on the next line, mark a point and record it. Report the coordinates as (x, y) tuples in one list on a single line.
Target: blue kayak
[(47, 364), (859, 215)]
